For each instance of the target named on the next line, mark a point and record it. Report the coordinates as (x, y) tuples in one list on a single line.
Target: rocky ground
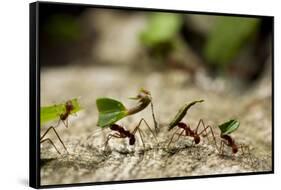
[(87, 160)]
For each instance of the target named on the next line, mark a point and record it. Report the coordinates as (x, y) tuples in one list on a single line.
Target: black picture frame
[(34, 95)]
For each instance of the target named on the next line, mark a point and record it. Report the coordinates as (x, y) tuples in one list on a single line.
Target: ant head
[(196, 139), (132, 140), (69, 106)]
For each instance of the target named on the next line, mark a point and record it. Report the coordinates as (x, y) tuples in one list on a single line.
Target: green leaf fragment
[(110, 111), (229, 126), (52, 112), (181, 113)]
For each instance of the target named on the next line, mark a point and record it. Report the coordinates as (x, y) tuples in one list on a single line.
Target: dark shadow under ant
[(64, 118), (187, 131), (121, 132)]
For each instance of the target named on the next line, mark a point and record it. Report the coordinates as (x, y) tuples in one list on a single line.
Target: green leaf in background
[(229, 126), (51, 113), (110, 111), (228, 37), (162, 27), (181, 113)]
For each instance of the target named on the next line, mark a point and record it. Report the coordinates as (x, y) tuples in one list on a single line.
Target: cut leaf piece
[(110, 111), (181, 113), (229, 126), (51, 113)]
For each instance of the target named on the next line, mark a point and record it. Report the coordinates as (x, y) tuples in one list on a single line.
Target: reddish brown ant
[(226, 129), (64, 118), (187, 131), (230, 142), (123, 133)]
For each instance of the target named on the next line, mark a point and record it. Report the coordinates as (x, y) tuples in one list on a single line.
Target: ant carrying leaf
[(226, 129), (53, 112), (111, 111), (60, 112), (185, 127)]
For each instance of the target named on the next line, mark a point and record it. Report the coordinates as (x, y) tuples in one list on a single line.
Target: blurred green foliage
[(63, 28), (161, 28), (228, 37)]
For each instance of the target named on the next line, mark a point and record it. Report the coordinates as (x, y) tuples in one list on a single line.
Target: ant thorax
[(186, 127), (229, 140), (124, 133)]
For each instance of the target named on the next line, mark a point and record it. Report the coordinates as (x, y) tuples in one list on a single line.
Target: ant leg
[(58, 123), (175, 133), (204, 128), (200, 121), (244, 147), (154, 120), (115, 135), (173, 137), (141, 136), (51, 142), (56, 135), (65, 122), (212, 132), (221, 150), (137, 127)]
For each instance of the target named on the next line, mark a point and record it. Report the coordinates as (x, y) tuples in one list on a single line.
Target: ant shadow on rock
[(45, 161)]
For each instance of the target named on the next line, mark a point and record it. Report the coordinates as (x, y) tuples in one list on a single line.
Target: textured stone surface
[(89, 162)]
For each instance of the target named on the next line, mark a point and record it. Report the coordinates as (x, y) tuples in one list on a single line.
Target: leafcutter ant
[(186, 129), (226, 129), (121, 132), (69, 107), (110, 111)]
